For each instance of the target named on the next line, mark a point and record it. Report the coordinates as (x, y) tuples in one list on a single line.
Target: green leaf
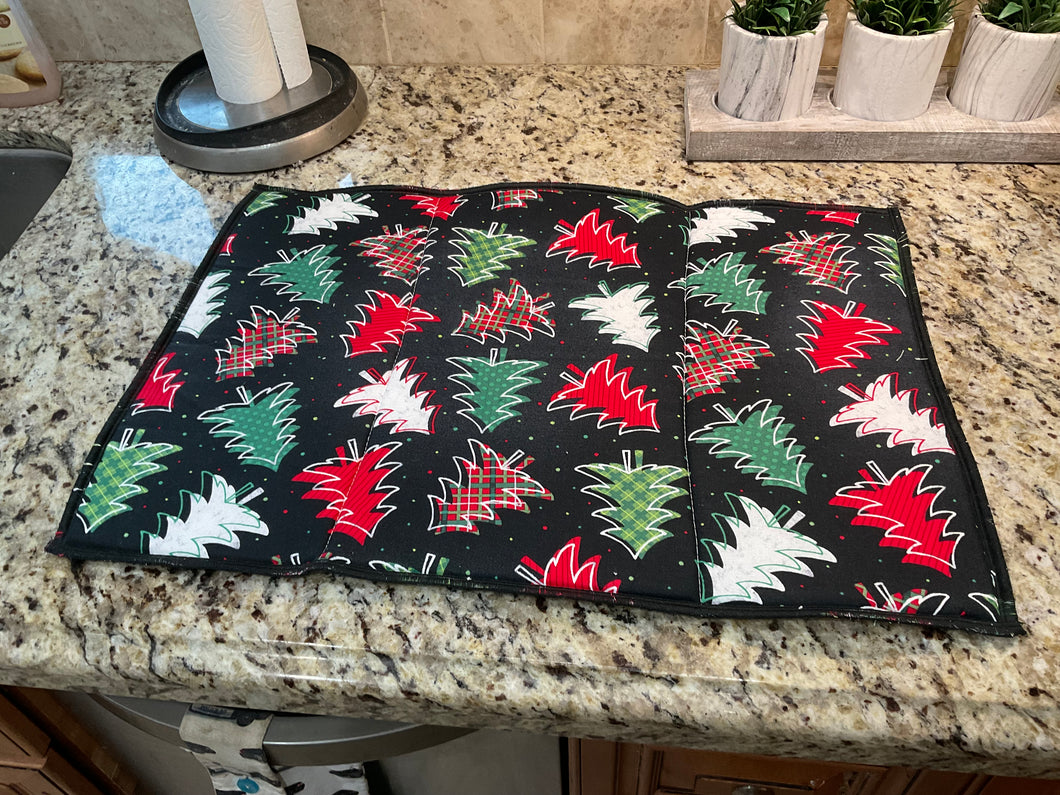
[(1023, 16), (777, 17), (904, 17)]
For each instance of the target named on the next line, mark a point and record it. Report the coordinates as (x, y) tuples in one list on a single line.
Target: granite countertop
[(88, 287)]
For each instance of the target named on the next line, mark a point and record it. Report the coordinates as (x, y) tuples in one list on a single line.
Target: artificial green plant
[(1025, 16), (778, 17), (904, 17)]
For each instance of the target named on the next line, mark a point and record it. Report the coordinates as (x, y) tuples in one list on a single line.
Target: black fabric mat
[(724, 409)]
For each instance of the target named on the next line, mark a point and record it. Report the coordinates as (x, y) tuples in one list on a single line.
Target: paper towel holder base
[(195, 128)]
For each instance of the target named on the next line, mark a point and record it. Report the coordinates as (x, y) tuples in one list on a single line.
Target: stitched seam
[(697, 592), (397, 354)]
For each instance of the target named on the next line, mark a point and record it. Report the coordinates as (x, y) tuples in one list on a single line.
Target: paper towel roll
[(287, 37), (235, 37)]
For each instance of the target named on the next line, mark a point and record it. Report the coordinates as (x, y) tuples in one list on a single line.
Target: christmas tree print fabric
[(725, 409)]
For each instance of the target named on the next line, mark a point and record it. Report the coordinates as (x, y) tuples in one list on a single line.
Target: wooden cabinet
[(599, 767), (45, 751)]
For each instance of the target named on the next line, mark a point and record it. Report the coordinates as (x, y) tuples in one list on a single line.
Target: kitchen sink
[(31, 166)]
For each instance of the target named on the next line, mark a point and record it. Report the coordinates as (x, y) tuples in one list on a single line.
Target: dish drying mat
[(725, 409)]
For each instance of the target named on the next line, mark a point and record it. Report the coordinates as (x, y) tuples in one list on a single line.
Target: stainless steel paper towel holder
[(196, 128)]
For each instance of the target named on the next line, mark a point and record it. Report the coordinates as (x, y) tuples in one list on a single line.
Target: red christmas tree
[(712, 357), (606, 394), (261, 338), (818, 256), (398, 254), (514, 198), (226, 247), (487, 483), (565, 570), (904, 508), (384, 321), (844, 217), (589, 238), (159, 390), (436, 206), (515, 311), (352, 486), (898, 602), (839, 334)]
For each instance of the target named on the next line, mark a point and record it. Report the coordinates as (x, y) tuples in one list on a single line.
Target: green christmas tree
[(306, 275), (758, 544), (432, 564), (263, 201), (637, 209), (635, 493), (493, 386), (887, 247), (988, 602), (484, 253), (116, 480), (260, 427), (213, 519), (725, 281), (757, 437)]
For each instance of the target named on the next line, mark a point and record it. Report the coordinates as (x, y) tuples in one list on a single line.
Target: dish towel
[(229, 743), (725, 409)]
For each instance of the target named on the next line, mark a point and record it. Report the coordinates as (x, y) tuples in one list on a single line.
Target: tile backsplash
[(665, 32)]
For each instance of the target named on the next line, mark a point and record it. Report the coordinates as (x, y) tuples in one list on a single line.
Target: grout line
[(543, 51), (386, 33)]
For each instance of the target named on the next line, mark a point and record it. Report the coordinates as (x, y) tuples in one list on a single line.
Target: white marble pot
[(768, 78), (1003, 74), (885, 77)]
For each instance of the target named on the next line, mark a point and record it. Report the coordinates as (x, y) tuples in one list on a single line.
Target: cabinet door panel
[(22, 744), (1002, 785), (682, 770), (713, 786), (604, 768)]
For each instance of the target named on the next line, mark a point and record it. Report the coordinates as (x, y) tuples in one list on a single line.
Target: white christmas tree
[(883, 408), (626, 313), (327, 212), (756, 548), (393, 399), (217, 519), (719, 222), (206, 305)]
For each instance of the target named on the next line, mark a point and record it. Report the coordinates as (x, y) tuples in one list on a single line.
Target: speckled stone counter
[(87, 289)]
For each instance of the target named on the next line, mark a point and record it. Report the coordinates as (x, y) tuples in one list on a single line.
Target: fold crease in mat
[(726, 409)]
